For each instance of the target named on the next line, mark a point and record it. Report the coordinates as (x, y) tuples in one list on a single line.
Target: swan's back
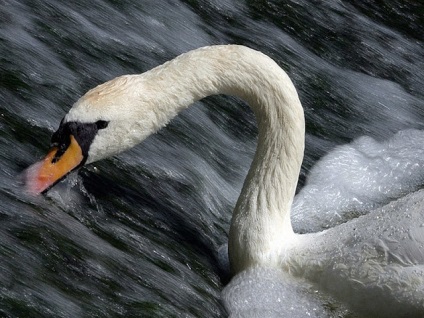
[(375, 262)]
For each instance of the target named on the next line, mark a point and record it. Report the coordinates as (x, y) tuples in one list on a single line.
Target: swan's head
[(107, 120)]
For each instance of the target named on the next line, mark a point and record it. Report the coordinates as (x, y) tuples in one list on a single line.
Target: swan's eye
[(101, 124), (83, 133)]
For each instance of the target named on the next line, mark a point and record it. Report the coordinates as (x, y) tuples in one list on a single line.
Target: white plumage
[(374, 262)]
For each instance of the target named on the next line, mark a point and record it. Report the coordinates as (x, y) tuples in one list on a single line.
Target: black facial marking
[(83, 133), (62, 146)]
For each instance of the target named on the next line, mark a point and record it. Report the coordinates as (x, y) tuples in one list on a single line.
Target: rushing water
[(137, 235)]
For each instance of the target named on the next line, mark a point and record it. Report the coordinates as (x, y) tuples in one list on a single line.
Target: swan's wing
[(370, 174), (375, 262)]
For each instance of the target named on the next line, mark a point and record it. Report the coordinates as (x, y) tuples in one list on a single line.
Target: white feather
[(374, 262)]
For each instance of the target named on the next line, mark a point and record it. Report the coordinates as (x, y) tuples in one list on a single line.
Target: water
[(137, 235)]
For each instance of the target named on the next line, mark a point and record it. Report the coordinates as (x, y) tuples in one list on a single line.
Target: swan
[(374, 263), (370, 174)]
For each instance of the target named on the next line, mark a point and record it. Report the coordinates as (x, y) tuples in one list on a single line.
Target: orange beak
[(44, 174)]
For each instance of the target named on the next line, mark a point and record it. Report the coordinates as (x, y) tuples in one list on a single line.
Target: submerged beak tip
[(42, 175), (34, 183)]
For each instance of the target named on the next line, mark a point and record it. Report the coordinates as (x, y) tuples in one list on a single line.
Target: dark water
[(137, 235)]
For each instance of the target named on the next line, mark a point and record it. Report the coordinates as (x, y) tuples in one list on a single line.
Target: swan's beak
[(55, 166)]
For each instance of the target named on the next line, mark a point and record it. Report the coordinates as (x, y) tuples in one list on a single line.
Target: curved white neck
[(261, 219)]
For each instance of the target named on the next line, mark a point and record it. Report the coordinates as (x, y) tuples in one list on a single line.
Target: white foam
[(266, 292)]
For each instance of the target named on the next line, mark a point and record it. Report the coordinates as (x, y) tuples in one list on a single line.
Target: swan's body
[(370, 174), (373, 258)]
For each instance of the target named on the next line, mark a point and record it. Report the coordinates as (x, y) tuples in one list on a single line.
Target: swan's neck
[(260, 225)]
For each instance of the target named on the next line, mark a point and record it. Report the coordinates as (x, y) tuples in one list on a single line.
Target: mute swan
[(374, 262), (370, 174)]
